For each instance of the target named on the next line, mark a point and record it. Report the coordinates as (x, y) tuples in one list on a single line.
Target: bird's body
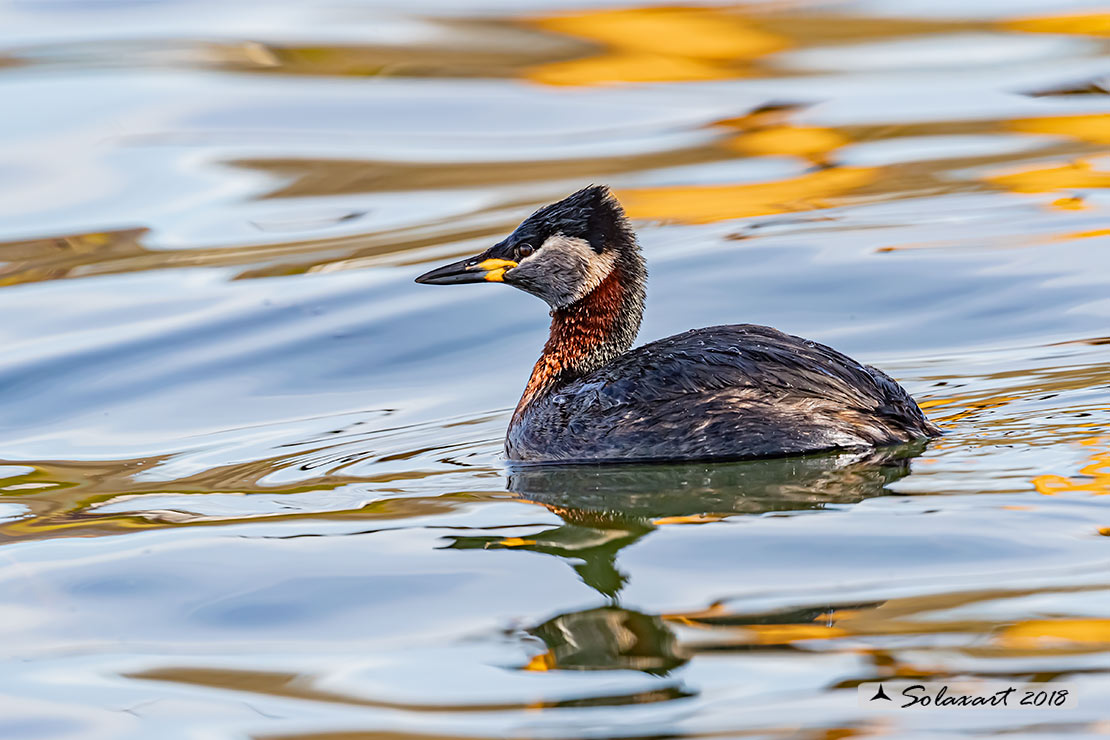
[(723, 392)]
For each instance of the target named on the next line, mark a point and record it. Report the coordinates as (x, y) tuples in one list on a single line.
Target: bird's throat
[(588, 334)]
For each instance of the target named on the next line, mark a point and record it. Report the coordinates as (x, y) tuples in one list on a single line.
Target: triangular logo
[(880, 694)]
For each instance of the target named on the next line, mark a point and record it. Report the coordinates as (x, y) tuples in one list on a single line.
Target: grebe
[(723, 392)]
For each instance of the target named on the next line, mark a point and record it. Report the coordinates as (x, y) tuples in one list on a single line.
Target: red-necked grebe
[(723, 392)]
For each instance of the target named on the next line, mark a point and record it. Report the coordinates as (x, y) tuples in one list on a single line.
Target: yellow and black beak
[(470, 270)]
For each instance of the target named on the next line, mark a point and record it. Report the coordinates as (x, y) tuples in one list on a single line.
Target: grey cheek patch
[(573, 268)]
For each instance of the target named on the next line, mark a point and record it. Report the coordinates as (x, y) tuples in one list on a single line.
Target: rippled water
[(251, 481)]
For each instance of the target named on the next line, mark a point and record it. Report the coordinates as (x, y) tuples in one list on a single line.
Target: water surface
[(251, 481)]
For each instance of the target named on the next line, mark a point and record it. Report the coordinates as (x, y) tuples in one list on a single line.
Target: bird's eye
[(525, 250)]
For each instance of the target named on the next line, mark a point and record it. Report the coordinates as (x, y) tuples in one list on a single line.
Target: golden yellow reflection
[(541, 663), (1094, 477), (304, 687), (709, 203), (64, 498), (515, 542), (1070, 203), (754, 631), (655, 45), (809, 142), (1081, 24), (962, 408), (1046, 179), (1039, 634), (627, 67), (1093, 128), (785, 634), (690, 519), (854, 627), (1072, 236)]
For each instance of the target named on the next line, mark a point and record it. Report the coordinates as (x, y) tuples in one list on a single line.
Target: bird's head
[(560, 253)]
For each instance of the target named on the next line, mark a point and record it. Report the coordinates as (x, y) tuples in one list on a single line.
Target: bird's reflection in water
[(606, 508), (607, 638)]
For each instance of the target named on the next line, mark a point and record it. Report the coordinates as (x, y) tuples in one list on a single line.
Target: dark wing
[(723, 391)]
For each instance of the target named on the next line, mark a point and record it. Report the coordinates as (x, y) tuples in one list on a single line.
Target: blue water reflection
[(251, 481)]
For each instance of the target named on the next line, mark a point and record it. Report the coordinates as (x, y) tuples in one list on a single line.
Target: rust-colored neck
[(587, 335)]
